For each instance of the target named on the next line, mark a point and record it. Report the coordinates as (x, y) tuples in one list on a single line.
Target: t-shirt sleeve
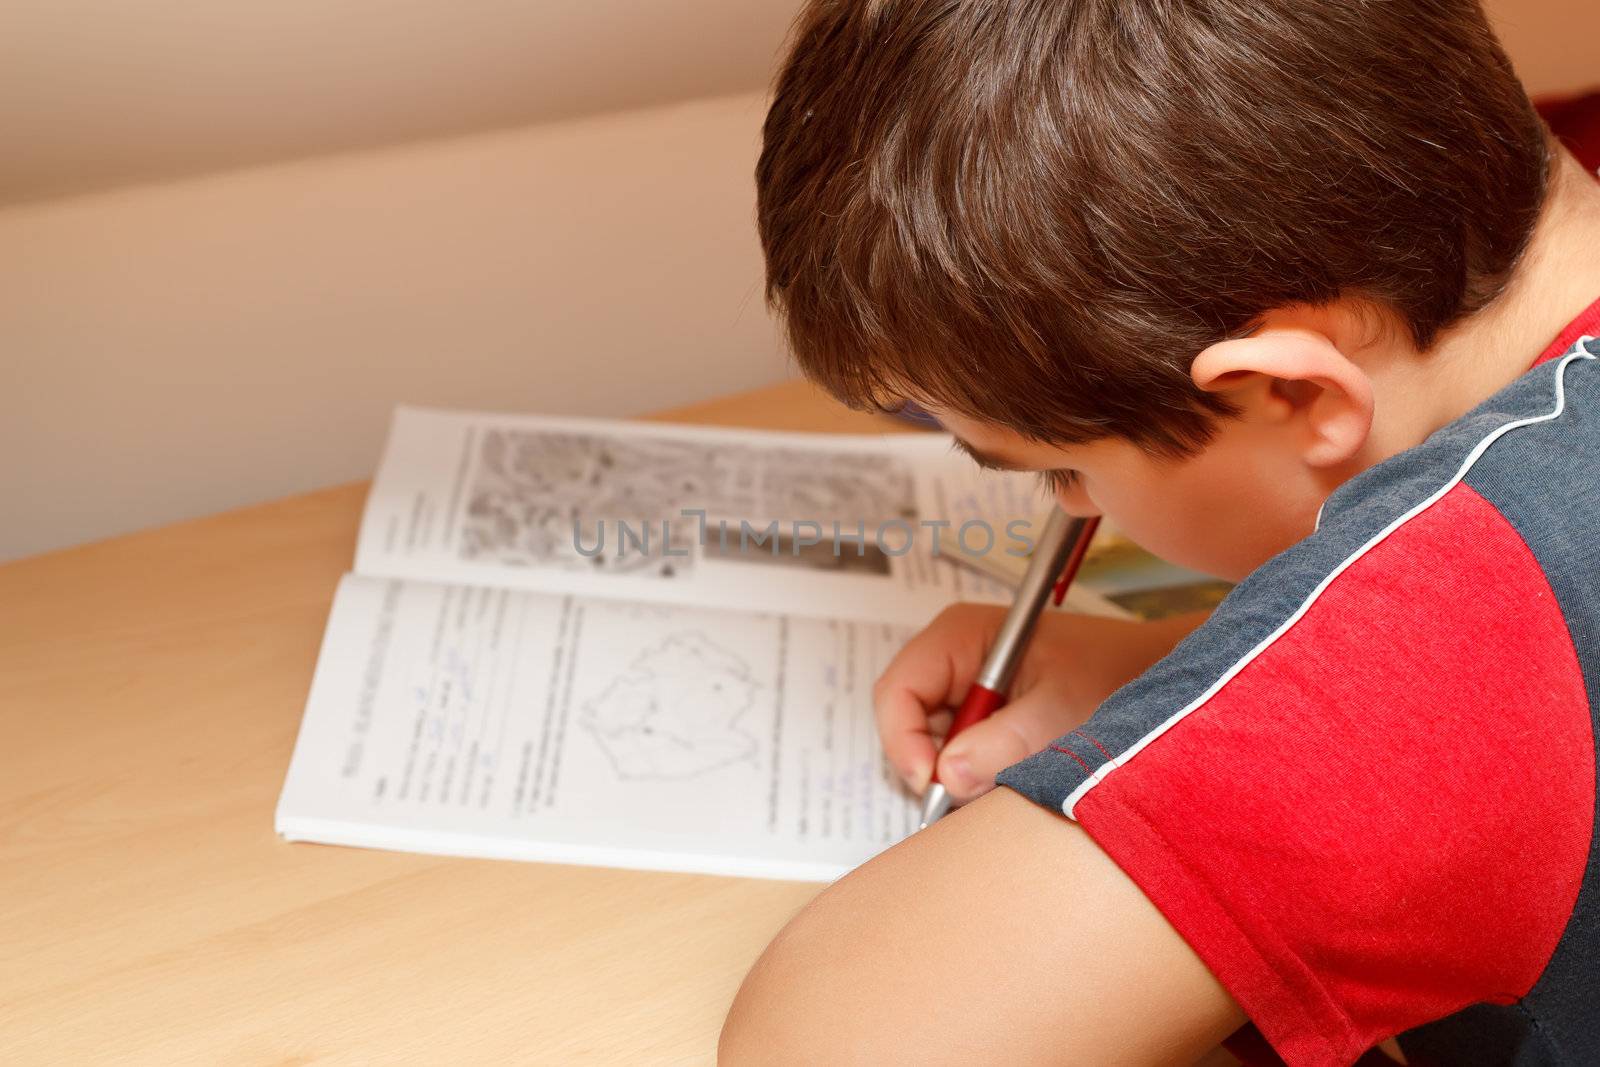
[(1367, 808)]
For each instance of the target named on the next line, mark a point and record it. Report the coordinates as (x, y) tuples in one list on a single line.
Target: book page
[(816, 525), (467, 720)]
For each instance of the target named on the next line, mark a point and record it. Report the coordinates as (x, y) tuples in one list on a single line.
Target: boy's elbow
[(755, 1022), (785, 1011), (854, 978), (982, 939)]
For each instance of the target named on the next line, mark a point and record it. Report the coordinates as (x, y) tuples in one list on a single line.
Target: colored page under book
[(474, 721)]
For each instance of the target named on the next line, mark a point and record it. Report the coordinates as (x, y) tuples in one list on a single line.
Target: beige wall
[(104, 92), (97, 93), (174, 350), (1552, 42)]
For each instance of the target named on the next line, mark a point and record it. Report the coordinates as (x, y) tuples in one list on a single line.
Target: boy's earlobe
[(1296, 377)]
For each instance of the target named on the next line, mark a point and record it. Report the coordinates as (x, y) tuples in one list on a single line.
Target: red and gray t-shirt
[(1364, 791)]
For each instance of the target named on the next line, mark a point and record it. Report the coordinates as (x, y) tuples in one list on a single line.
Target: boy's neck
[(1556, 279)]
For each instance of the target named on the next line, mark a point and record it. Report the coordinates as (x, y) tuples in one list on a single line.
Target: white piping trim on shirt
[(1069, 805)]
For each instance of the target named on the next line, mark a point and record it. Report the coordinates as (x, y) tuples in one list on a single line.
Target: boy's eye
[(1058, 481)]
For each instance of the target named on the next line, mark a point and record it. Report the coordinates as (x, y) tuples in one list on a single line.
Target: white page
[(491, 499), (476, 721)]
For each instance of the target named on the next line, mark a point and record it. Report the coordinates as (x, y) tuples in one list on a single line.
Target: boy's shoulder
[(1493, 508), (1378, 757), (1538, 432)]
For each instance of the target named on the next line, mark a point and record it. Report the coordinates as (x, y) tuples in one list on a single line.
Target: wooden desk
[(150, 690)]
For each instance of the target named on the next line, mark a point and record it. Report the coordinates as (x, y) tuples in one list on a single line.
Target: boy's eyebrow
[(984, 460)]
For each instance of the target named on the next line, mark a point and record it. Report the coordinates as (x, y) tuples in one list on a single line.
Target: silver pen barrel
[(1055, 546), (1049, 557)]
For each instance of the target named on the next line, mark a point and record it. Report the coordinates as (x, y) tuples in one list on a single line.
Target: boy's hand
[(1072, 664)]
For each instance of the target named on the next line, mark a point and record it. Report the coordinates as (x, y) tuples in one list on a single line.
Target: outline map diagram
[(674, 713), (531, 489)]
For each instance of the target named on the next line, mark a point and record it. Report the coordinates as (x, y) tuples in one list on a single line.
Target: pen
[(1060, 552)]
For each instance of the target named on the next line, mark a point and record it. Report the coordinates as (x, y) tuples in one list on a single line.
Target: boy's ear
[(1297, 377)]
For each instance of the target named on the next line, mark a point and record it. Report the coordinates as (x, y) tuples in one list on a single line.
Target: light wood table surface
[(150, 691)]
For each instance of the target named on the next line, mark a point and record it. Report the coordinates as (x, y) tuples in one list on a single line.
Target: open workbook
[(634, 644)]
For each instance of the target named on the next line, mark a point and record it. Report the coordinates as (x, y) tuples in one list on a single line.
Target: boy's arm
[(1001, 934)]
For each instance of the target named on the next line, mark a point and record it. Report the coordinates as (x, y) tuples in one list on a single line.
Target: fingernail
[(920, 776), (957, 775)]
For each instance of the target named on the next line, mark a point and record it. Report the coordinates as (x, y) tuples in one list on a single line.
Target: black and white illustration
[(676, 712), (536, 496)]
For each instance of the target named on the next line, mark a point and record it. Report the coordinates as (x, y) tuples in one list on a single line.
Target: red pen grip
[(979, 704)]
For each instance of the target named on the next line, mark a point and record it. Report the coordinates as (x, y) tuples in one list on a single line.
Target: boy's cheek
[(1222, 513), (1205, 535), (1079, 503), (1224, 545), (1197, 550), (1155, 529)]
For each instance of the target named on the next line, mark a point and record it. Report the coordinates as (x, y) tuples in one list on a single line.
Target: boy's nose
[(1076, 502)]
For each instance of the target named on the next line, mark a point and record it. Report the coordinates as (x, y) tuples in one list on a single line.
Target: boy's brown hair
[(1037, 212)]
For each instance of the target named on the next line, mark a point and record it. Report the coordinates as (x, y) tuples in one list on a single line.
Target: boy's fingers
[(967, 765), (930, 673), (903, 727)]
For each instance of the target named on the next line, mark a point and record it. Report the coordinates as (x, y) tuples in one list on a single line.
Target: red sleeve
[(1385, 816)]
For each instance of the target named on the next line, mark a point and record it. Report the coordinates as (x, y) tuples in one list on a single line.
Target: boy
[(1295, 292)]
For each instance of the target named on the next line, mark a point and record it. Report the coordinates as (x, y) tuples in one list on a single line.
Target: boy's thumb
[(968, 764)]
